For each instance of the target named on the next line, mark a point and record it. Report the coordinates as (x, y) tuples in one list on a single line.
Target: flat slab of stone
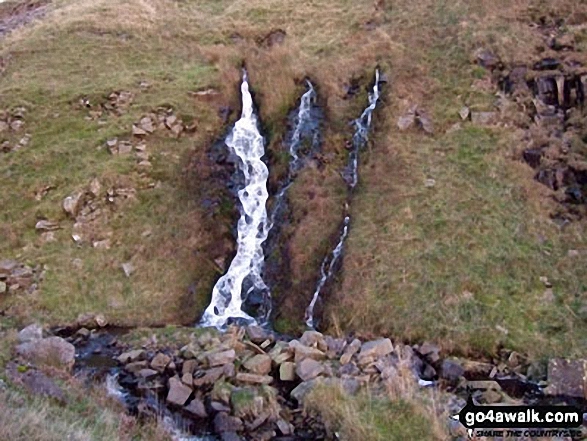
[(375, 349), (253, 378), (259, 364), (197, 408), (178, 393), (287, 371), (221, 358), (309, 369)]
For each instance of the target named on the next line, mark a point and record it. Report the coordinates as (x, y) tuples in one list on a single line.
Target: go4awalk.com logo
[(521, 421)]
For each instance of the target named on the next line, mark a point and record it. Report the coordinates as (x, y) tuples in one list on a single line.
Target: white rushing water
[(360, 137), (302, 119), (244, 274)]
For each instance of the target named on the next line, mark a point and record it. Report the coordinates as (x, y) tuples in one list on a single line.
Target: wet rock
[(253, 378), (349, 351), (287, 371), (309, 369), (547, 64), (197, 408), (226, 423), (221, 358), (132, 356), (147, 374), (160, 362), (30, 333), (52, 351), (178, 393), (136, 366), (567, 377), (451, 370), (259, 364)]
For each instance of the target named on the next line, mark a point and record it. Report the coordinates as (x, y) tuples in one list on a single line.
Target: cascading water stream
[(351, 176), (244, 274)]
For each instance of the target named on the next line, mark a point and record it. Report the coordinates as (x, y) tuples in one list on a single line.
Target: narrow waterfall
[(351, 176), (244, 274)]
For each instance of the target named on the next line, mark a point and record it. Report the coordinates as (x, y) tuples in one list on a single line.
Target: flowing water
[(244, 274), (351, 176)]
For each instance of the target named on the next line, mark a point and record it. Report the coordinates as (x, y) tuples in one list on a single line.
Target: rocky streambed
[(249, 383)]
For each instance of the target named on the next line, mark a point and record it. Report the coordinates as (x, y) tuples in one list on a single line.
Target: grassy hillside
[(459, 262)]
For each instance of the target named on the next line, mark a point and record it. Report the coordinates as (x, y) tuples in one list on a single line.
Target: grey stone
[(189, 366), (178, 392), (226, 423), (52, 351), (302, 352), (375, 349), (147, 374), (73, 203), (484, 118), (208, 377), (7, 266), (349, 351), (136, 366), (303, 389), (160, 362), (451, 370), (31, 332), (36, 383), (221, 358), (257, 334), (197, 408), (253, 378), (46, 225), (314, 339), (308, 369), (259, 364), (287, 371), (133, 355)]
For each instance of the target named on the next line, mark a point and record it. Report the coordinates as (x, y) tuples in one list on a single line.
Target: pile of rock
[(247, 381), (18, 277), (117, 103), (11, 128), (163, 119)]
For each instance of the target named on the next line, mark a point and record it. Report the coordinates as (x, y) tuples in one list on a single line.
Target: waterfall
[(244, 274), (351, 176)]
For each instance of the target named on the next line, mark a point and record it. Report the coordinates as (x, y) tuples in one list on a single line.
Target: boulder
[(31, 332), (287, 371), (160, 362), (136, 366), (302, 352), (259, 364), (350, 350), (6, 267), (314, 339), (451, 370), (308, 369), (226, 423), (430, 351), (52, 351), (208, 377), (303, 389), (197, 408), (36, 383), (372, 350), (178, 392), (567, 377), (221, 358), (189, 366), (257, 334), (131, 356)]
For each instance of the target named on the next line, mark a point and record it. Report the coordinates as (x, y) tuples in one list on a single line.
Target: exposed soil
[(550, 93)]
